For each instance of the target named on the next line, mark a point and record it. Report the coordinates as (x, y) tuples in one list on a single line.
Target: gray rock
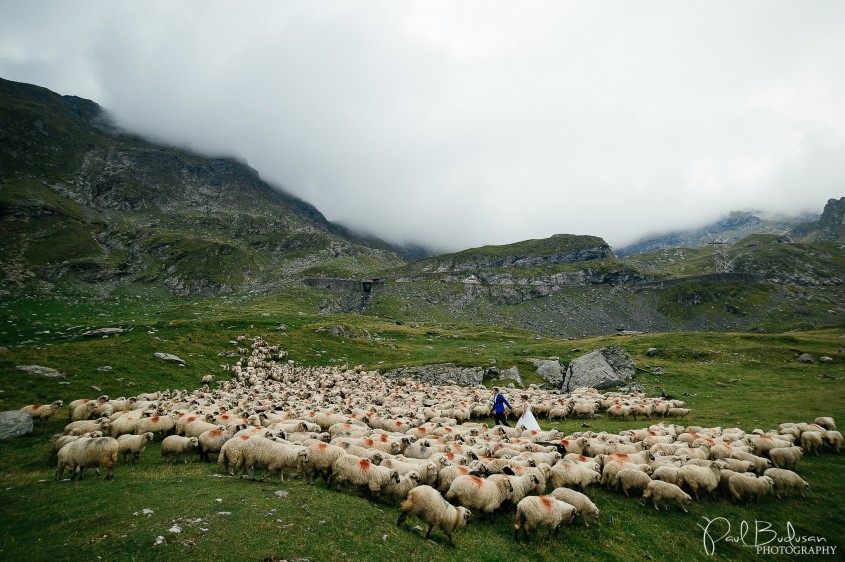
[(103, 332), (825, 359), (602, 368), (512, 374), (658, 371), (14, 423), (806, 358), (550, 370), (169, 357), (39, 370), (651, 351), (440, 373)]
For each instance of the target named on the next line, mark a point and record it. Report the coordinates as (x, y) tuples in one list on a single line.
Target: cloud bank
[(457, 124)]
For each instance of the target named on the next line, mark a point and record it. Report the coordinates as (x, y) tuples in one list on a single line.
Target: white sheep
[(273, 455), (784, 480), (699, 480), (230, 452), (812, 442), (834, 439), (826, 422), (399, 491), (568, 475), (87, 453), (42, 412), (361, 472), (582, 503), (747, 488), (785, 457), (212, 441), (629, 479), (133, 445), (79, 410), (677, 412), (760, 463), (474, 492), (84, 426), (160, 424), (547, 511), (659, 491), (178, 445), (427, 504), (60, 440), (321, 457)]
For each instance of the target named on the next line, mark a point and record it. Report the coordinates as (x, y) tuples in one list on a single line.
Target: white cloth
[(527, 419)]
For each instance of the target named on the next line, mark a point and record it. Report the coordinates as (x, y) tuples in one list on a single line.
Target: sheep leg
[(402, 517), (430, 527)]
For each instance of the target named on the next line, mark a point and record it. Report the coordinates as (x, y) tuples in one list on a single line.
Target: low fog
[(463, 123)]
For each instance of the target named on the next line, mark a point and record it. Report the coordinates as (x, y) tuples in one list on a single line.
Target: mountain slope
[(81, 201)]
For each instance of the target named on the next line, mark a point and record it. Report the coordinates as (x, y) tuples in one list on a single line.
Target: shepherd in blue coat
[(499, 403)]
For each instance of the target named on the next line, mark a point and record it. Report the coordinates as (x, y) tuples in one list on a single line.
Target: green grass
[(728, 379)]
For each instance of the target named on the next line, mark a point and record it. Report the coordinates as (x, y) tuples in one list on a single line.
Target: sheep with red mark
[(659, 491), (133, 445), (545, 511), (212, 441), (80, 409), (321, 457), (745, 489), (179, 446), (362, 473), (760, 464), (42, 412), (427, 471), (474, 492), (426, 503), (195, 428), (677, 412), (160, 424), (569, 475), (230, 452), (125, 423), (583, 504), (521, 486), (783, 480), (85, 453)]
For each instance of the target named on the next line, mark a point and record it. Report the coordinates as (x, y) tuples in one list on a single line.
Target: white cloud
[(461, 123)]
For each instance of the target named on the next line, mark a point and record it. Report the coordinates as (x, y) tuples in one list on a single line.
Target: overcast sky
[(462, 123)]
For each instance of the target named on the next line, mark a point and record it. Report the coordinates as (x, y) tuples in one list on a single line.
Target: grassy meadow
[(745, 380)]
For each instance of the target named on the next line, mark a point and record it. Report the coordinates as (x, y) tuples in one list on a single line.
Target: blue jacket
[(499, 403)]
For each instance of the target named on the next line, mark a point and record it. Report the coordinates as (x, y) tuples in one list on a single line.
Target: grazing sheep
[(547, 511), (88, 453), (630, 479), (274, 456), (361, 472), (483, 494), (677, 412), (427, 504), (699, 479), (760, 463), (658, 491), (321, 457), (784, 480), (826, 422), (834, 439), (134, 445), (400, 490), (178, 445), (582, 503), (785, 457), (569, 475), (747, 488), (42, 412), (812, 442), (666, 474), (84, 426)]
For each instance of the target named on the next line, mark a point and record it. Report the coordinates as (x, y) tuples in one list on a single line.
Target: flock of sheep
[(420, 446)]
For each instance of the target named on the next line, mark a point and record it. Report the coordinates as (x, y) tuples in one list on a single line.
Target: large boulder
[(512, 374), (550, 370), (440, 373), (602, 368), (14, 423)]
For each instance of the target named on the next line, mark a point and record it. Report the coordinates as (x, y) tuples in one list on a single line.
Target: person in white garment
[(527, 419)]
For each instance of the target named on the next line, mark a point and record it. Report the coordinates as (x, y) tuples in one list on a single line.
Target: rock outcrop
[(550, 369), (14, 423), (441, 373), (602, 368)]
